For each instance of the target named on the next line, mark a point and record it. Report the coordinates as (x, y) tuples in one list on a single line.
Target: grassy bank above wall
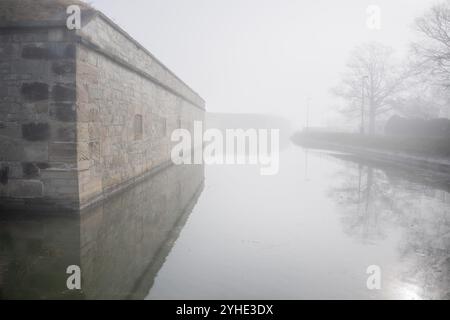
[(429, 147)]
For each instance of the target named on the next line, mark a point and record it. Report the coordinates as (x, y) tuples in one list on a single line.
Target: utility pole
[(308, 101)]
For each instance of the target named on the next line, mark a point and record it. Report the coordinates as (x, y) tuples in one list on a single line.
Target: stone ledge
[(92, 46), (117, 189)]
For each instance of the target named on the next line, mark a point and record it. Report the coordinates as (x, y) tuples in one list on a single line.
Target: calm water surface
[(227, 232)]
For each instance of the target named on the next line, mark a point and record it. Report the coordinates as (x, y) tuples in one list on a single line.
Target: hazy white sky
[(262, 56)]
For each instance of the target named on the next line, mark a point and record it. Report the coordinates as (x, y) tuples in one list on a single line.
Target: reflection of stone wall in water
[(121, 239), (119, 245), (34, 255)]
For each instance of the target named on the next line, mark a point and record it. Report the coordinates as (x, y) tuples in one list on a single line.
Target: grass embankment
[(418, 146)]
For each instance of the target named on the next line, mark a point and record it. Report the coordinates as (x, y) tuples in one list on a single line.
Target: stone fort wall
[(37, 116), (83, 113)]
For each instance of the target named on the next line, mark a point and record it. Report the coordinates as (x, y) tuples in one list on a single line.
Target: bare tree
[(370, 83), (422, 100), (432, 50)]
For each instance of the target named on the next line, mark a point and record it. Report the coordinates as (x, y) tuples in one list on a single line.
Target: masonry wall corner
[(83, 114)]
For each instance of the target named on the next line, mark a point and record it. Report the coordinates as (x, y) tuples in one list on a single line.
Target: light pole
[(308, 101), (362, 102)]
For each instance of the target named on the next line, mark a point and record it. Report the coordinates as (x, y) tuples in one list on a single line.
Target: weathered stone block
[(63, 93), (94, 93), (84, 165), (3, 91), (36, 131), (94, 131), (66, 134), (63, 151), (41, 108), (8, 50), (92, 187), (63, 67), (30, 170), (95, 150), (5, 68), (89, 73), (5, 38), (13, 113), (4, 175), (31, 35), (83, 97), (35, 91), (94, 114), (68, 175), (10, 129), (10, 150), (42, 165), (25, 189), (35, 52), (55, 35), (83, 132), (63, 183), (65, 51), (14, 170), (49, 51), (65, 112), (13, 91), (35, 68), (35, 152), (83, 151)]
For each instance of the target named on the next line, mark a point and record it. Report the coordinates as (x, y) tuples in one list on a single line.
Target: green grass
[(430, 147)]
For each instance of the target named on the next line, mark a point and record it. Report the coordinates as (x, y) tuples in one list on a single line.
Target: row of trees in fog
[(374, 84)]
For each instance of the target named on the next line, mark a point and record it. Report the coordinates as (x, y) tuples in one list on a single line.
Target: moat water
[(226, 232)]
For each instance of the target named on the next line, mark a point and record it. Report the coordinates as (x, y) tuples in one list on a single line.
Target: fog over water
[(311, 232), (226, 232)]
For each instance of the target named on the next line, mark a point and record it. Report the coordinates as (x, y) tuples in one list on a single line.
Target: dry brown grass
[(33, 10)]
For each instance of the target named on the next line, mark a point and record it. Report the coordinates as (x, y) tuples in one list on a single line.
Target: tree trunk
[(372, 116)]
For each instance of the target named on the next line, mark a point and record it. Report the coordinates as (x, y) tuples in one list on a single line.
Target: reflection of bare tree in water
[(426, 246), (365, 195), (376, 200)]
